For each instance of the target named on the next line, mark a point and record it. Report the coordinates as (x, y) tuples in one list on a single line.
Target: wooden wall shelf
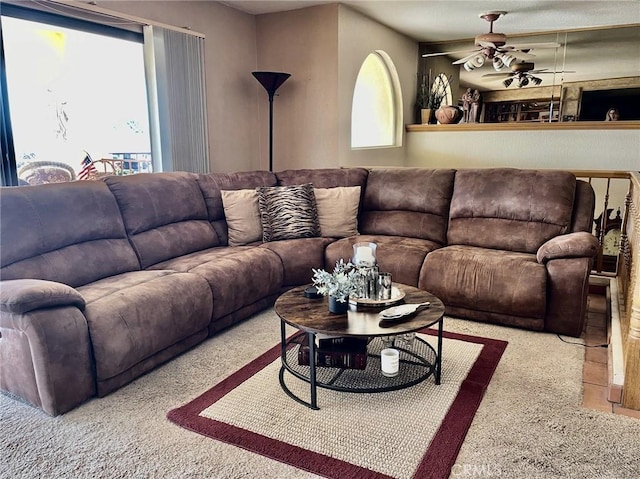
[(569, 125)]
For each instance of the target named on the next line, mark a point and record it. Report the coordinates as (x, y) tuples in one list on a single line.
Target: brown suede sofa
[(101, 281)]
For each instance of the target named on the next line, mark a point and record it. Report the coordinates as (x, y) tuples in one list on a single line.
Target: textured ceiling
[(442, 20), (592, 55)]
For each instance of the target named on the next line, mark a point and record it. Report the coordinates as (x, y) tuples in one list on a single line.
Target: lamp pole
[(271, 81)]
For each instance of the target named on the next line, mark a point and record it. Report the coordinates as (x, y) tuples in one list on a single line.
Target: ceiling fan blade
[(426, 55), (532, 46), (521, 55), (496, 76), (468, 57), (557, 73)]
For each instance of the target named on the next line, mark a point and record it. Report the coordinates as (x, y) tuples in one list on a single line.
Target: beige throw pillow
[(243, 216), (338, 210)]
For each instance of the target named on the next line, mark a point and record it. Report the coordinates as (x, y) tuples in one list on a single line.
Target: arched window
[(376, 111), (442, 88)]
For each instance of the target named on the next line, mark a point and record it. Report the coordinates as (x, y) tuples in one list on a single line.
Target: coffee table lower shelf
[(418, 361)]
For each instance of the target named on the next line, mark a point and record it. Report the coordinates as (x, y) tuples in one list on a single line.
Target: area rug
[(412, 433)]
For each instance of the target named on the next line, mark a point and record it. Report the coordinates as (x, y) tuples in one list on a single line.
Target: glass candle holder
[(364, 254)]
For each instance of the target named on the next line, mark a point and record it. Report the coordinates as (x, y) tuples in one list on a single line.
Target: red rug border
[(436, 462)]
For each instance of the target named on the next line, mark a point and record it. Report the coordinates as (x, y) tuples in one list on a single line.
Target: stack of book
[(336, 352)]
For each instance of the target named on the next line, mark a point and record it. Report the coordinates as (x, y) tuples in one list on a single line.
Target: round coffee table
[(418, 359)]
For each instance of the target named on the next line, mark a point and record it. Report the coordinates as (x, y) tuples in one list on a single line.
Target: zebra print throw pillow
[(288, 212)]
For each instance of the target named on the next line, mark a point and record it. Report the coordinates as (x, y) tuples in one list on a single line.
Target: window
[(72, 92), (376, 112), (442, 87)]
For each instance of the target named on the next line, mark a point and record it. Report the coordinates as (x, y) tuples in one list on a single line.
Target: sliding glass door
[(74, 96)]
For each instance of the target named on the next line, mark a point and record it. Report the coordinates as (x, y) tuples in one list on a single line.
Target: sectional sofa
[(101, 281)]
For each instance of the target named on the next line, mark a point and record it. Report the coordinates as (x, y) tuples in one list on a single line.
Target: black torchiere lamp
[(271, 81)]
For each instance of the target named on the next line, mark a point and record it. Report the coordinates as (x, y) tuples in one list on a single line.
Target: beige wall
[(304, 43), (323, 48), (573, 150), (230, 57), (357, 37)]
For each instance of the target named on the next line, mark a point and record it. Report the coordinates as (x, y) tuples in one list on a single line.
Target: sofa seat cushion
[(189, 261), (402, 257), (298, 257), (237, 276), (135, 315), (487, 280)]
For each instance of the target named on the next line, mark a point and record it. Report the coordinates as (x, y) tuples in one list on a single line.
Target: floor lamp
[(271, 81)]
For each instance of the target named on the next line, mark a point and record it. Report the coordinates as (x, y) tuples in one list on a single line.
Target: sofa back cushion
[(324, 177), (411, 202), (510, 209), (212, 184), (70, 232), (164, 214), (584, 206)]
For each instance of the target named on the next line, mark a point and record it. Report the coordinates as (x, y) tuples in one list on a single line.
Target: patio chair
[(41, 172)]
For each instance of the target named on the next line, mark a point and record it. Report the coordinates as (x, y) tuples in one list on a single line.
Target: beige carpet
[(529, 425)]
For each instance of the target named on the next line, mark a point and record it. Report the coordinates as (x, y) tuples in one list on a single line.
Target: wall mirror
[(593, 71)]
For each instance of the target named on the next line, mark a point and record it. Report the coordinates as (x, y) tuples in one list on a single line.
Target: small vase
[(425, 115), (448, 115), (337, 307)]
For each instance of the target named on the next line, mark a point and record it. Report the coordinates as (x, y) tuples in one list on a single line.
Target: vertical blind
[(177, 101)]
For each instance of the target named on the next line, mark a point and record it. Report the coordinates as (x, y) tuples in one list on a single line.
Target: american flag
[(88, 169)]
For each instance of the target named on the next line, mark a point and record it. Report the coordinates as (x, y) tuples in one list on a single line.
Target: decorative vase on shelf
[(448, 114), (338, 307), (425, 115)]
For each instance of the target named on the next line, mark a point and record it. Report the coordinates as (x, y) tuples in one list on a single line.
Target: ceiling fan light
[(524, 81), (508, 59), (536, 81), (497, 64), (507, 82)]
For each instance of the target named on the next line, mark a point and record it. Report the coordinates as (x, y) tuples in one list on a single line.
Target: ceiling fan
[(493, 46), (522, 73)]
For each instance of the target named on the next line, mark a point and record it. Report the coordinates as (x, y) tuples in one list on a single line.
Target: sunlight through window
[(73, 93), (375, 113)]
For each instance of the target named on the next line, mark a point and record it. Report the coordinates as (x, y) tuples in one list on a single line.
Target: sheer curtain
[(177, 101)]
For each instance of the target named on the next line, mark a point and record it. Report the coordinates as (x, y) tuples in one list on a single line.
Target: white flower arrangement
[(340, 284)]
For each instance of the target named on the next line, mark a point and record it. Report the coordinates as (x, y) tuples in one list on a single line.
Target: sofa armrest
[(45, 349), (20, 296), (572, 245)]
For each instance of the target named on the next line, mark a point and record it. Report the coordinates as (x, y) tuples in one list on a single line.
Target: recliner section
[(104, 280)]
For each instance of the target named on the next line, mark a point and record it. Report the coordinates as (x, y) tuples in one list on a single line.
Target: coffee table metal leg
[(439, 355), (313, 403), (283, 341), (312, 370)]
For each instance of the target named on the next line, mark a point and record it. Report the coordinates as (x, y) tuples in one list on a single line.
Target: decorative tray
[(404, 310), (397, 295)]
